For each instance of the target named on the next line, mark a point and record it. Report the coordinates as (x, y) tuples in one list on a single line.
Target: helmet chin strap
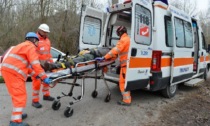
[(35, 44), (34, 41), (120, 34), (42, 35)]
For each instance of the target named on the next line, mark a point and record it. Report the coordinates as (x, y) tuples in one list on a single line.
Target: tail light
[(194, 66), (156, 60)]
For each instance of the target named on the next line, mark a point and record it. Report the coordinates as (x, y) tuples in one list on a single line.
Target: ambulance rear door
[(203, 55), (91, 27), (183, 47), (140, 52)]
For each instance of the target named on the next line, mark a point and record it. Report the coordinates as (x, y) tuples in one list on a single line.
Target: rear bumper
[(158, 82)]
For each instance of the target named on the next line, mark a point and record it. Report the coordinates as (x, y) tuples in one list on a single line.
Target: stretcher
[(81, 70)]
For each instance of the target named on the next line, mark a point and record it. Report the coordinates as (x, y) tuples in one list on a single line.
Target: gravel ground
[(190, 107)]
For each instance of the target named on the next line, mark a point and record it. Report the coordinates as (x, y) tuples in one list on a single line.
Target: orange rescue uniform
[(121, 50), (15, 69), (43, 50)]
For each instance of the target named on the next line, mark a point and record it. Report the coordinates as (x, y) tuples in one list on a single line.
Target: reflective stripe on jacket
[(121, 50), (44, 49), (20, 58)]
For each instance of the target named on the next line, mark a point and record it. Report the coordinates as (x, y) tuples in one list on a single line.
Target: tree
[(205, 24), (21, 16), (188, 6)]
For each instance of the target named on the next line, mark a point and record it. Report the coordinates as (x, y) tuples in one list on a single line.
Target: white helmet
[(44, 27)]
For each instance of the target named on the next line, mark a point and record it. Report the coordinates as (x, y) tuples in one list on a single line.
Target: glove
[(99, 59), (47, 80)]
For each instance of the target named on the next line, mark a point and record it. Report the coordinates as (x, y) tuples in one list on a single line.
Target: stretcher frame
[(80, 72)]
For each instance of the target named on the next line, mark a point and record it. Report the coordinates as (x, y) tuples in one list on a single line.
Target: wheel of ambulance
[(108, 98), (68, 112), (94, 94), (56, 105), (170, 91), (205, 74)]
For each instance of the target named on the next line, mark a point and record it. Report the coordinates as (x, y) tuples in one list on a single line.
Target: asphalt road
[(90, 111)]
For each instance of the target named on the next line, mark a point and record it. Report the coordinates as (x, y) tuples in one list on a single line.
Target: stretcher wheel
[(56, 105), (108, 98), (94, 94), (68, 112), (79, 97)]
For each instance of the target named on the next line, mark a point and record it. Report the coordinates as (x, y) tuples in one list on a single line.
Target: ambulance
[(167, 45)]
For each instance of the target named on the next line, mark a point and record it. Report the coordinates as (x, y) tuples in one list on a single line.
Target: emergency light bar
[(118, 7)]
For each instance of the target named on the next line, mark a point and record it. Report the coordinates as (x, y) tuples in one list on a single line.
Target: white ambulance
[(167, 45)]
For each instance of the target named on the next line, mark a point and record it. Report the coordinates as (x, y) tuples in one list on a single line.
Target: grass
[(1, 79)]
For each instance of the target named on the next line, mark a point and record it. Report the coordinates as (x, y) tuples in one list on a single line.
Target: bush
[(1, 79)]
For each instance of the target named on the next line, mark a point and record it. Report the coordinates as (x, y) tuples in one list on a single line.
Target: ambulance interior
[(117, 19), (197, 45), (121, 18)]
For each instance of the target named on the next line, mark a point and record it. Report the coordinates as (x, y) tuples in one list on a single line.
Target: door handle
[(133, 52), (193, 53)]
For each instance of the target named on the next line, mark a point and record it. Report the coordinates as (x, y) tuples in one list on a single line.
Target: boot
[(18, 124), (123, 103), (36, 104), (24, 116), (48, 98)]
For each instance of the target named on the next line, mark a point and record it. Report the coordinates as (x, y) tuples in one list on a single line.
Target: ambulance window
[(169, 32), (142, 33), (188, 34), (179, 32), (91, 31)]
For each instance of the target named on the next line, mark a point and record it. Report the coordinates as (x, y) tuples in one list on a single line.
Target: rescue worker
[(43, 50), (121, 50), (15, 69)]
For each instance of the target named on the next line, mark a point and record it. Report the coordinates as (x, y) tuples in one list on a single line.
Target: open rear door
[(183, 47), (140, 52), (91, 27), (203, 56)]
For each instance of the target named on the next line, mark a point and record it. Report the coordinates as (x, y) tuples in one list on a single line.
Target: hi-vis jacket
[(20, 58), (121, 50), (43, 49)]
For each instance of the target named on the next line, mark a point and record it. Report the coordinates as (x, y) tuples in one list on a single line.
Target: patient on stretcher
[(83, 56)]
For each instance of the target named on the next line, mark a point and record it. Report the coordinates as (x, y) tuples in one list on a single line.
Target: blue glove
[(47, 80), (99, 58)]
